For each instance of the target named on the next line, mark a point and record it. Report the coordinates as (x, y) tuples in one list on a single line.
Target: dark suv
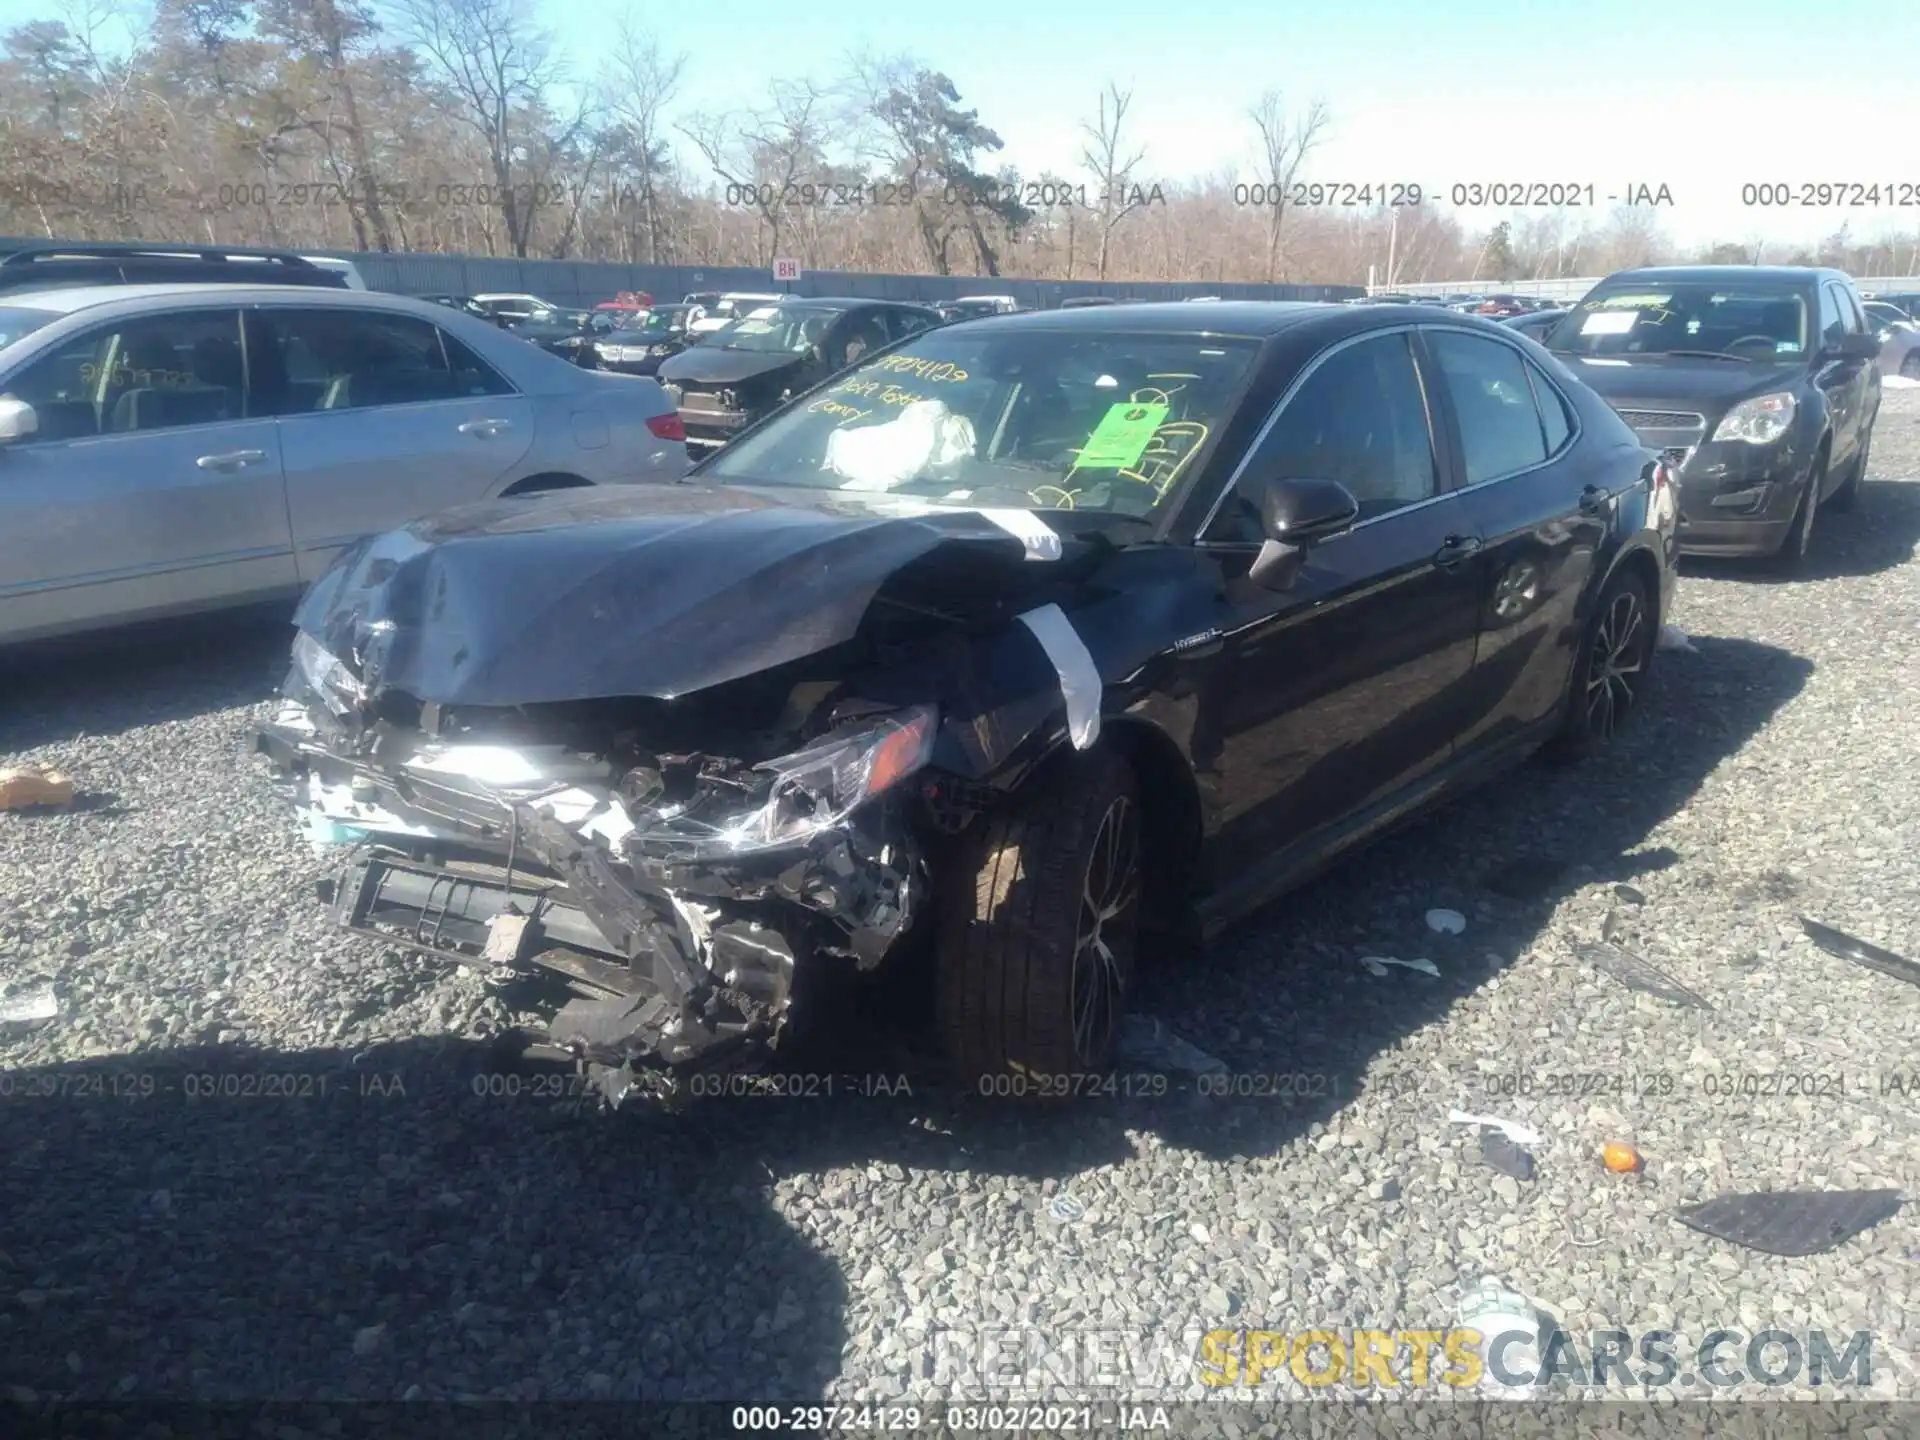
[(1759, 385), (57, 267)]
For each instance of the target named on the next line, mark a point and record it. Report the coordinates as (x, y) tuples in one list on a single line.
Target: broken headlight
[(326, 676), (811, 789)]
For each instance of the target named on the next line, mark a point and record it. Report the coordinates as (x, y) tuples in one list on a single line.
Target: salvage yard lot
[(258, 1157)]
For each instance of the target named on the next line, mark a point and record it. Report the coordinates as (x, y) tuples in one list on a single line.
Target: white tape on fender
[(1079, 677), (1041, 539)]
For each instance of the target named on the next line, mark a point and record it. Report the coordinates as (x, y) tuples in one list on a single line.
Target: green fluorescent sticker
[(1121, 438)]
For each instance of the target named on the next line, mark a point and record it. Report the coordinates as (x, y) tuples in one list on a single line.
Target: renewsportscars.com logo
[(1049, 1362), (1466, 1358)]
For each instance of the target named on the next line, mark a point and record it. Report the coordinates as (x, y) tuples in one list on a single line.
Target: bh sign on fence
[(786, 271)]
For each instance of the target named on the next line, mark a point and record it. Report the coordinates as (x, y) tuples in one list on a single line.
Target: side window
[(864, 332), (156, 373), (902, 323), (1361, 419), (1856, 315), (471, 374), (1833, 321), (1500, 426), (1553, 410), (337, 359)]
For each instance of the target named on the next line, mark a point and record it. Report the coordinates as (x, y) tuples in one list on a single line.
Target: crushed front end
[(670, 865)]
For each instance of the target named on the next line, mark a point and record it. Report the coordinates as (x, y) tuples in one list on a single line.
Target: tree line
[(457, 126)]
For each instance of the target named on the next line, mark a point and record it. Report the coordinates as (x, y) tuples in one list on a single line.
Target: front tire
[(1910, 366), (1036, 952), (1611, 671), (1848, 495), (1792, 554)]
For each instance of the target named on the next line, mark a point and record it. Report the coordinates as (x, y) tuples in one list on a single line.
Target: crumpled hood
[(717, 365), (635, 591)]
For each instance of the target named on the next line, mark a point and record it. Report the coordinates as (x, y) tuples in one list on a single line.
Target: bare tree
[(1106, 156), (641, 80), (501, 73), (766, 157), (1285, 145)]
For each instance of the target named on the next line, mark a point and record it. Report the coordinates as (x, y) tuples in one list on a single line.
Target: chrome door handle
[(232, 460), (484, 428), (1457, 548)]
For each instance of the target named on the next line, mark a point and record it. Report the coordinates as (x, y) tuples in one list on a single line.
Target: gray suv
[(174, 448)]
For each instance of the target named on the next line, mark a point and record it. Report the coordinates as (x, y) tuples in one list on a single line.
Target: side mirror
[(1298, 514), (17, 420), (1856, 347)]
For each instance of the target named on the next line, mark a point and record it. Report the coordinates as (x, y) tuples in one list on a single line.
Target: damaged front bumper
[(537, 861)]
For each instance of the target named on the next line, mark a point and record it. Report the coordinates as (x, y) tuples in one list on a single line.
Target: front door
[(1345, 690), (151, 486)]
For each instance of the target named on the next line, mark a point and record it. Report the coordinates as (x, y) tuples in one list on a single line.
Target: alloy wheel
[(1615, 665), (1108, 889)]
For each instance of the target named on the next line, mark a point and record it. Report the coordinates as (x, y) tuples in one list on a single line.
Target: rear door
[(1844, 382), (1539, 505), (383, 418), (1344, 691), (153, 484)]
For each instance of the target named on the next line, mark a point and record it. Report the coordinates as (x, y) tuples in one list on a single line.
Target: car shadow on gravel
[(1880, 534), (218, 1224), (143, 676)]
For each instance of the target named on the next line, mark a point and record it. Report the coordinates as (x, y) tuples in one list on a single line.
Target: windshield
[(772, 329), (661, 322), (1050, 420), (16, 321), (1749, 323)]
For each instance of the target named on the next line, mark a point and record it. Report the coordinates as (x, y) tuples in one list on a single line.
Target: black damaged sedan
[(1016, 651)]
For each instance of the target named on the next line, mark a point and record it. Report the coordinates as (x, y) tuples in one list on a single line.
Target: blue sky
[(1702, 96)]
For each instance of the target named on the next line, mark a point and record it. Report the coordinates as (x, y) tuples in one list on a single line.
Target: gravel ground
[(256, 1157)]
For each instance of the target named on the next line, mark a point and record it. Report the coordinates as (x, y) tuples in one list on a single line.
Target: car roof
[(67, 301), (1256, 319), (1782, 275)]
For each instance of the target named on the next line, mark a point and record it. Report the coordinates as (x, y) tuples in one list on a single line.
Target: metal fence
[(583, 283), (1572, 289)]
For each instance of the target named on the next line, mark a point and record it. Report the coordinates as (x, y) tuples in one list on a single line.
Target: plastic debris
[(1791, 1222), (30, 1006), (1145, 1042), (1377, 965), (1620, 1157), (1636, 974), (1514, 1131), (1494, 1310), (1629, 894), (29, 788), (1672, 637), (1446, 922), (1850, 947), (1505, 1156), (1066, 1208)]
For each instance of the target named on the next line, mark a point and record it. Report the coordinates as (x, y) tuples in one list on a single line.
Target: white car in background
[(716, 312), (174, 448)]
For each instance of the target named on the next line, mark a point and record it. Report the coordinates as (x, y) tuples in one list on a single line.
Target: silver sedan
[(166, 449)]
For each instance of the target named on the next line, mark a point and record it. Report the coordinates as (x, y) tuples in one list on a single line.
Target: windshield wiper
[(1704, 355)]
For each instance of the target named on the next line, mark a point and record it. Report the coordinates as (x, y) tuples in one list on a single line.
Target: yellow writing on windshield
[(923, 369)]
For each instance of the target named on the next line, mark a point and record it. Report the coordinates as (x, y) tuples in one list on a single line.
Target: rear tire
[(1040, 932), (1611, 670), (1910, 367)]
